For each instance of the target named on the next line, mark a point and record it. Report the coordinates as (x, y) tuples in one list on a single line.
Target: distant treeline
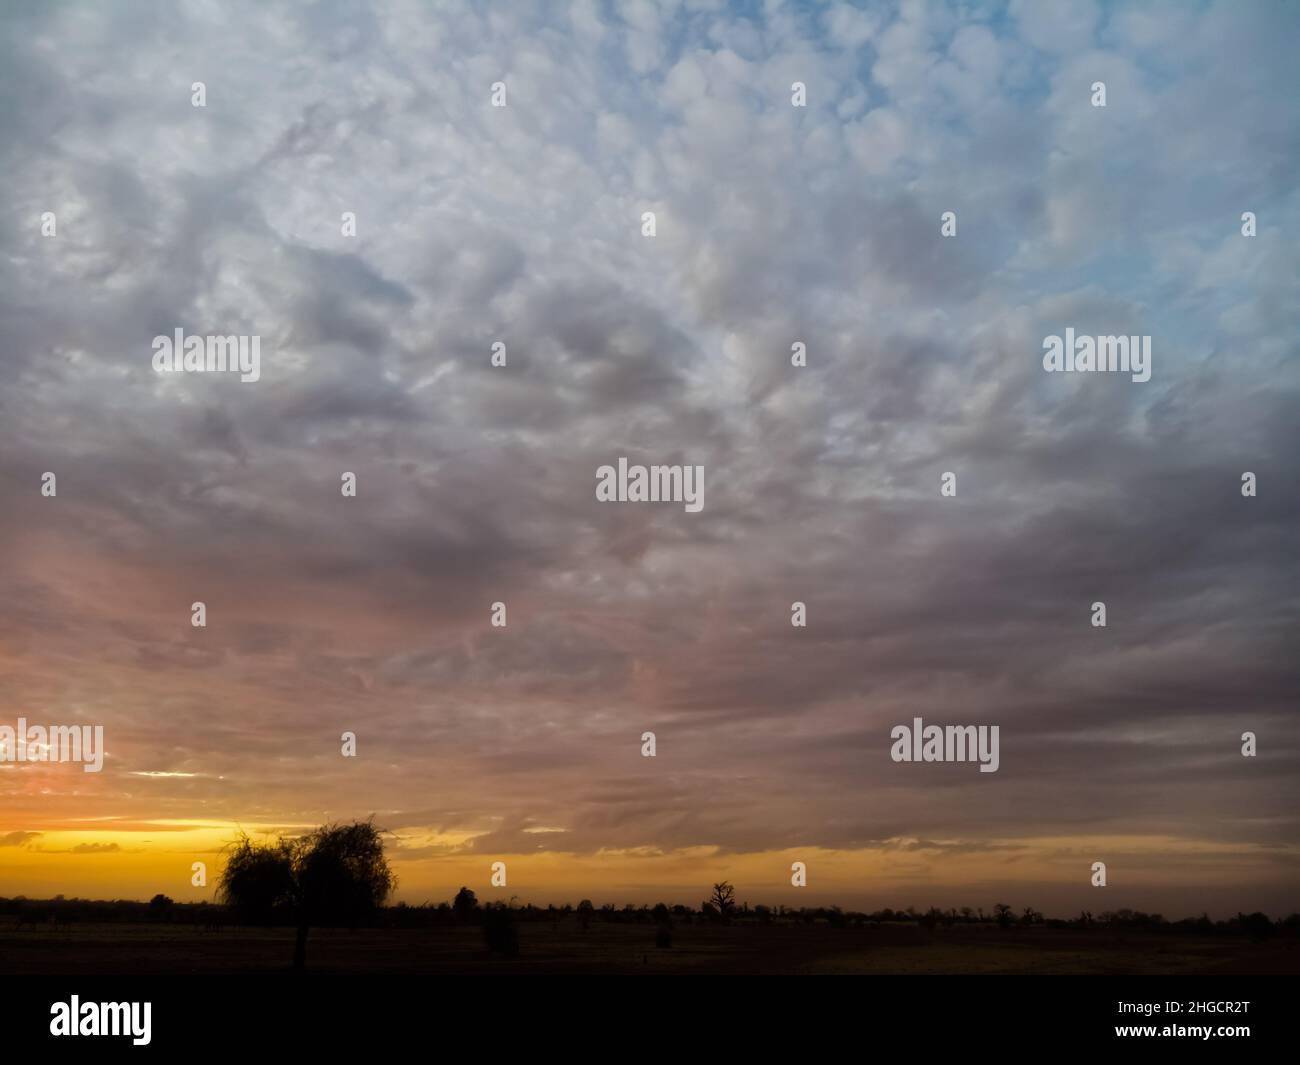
[(466, 909)]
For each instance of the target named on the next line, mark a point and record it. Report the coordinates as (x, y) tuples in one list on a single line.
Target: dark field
[(551, 948)]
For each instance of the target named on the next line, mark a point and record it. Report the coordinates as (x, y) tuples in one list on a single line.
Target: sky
[(774, 225)]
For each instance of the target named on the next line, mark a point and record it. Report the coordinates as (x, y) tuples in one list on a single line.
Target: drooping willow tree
[(336, 875)]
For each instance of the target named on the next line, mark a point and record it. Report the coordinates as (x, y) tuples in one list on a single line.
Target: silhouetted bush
[(1256, 925), (499, 930)]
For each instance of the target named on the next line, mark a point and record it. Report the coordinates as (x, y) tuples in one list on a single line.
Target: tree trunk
[(300, 948)]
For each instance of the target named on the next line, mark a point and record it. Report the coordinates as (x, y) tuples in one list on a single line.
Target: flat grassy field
[(629, 949)]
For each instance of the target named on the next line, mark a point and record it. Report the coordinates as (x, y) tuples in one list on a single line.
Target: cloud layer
[(775, 224)]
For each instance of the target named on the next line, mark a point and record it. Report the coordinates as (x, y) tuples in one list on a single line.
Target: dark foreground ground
[(617, 948)]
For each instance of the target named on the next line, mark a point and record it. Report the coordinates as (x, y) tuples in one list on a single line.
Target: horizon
[(1050, 897), (744, 907)]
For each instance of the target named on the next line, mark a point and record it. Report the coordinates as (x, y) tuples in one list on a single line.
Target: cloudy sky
[(774, 225)]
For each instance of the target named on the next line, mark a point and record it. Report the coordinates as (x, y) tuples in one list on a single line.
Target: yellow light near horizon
[(138, 859)]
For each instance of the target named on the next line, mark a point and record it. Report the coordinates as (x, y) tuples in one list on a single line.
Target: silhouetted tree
[(335, 875), (1003, 914), (723, 899), (160, 907), (341, 876), (585, 910), (465, 906), (257, 882)]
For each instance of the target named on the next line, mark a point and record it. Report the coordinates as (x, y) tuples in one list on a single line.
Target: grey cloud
[(476, 484)]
